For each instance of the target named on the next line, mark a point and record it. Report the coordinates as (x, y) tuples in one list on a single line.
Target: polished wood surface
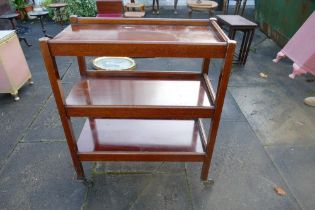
[(109, 8), (57, 5), (122, 92), (98, 33), (202, 4), (160, 75), (236, 21), (141, 116), (144, 21), (134, 14), (132, 37), (140, 135), (140, 98)]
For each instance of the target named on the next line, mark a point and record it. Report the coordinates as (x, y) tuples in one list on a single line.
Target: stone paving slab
[(244, 177), (47, 126), (165, 192), (296, 165), (115, 191), (139, 168), (139, 191), (40, 176), (231, 111), (16, 116), (275, 118)]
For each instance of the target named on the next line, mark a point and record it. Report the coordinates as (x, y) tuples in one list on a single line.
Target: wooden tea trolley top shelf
[(133, 37), (140, 115)]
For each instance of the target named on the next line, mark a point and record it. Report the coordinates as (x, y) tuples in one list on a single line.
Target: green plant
[(19, 4), (82, 8), (45, 4)]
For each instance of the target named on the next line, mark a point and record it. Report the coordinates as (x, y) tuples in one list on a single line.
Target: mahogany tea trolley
[(140, 115)]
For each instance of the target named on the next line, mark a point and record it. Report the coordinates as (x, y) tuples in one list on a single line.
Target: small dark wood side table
[(11, 18), (57, 7), (238, 23), (40, 15)]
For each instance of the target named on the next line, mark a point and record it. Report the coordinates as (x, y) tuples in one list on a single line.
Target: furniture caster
[(16, 96), (88, 183), (31, 82), (208, 183)]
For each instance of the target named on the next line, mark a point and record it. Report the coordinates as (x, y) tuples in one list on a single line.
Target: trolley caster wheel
[(88, 183), (208, 183)]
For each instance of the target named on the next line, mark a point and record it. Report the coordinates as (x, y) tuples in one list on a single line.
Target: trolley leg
[(221, 91), (88, 182)]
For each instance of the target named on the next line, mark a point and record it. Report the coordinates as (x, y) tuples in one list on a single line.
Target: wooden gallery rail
[(140, 115)]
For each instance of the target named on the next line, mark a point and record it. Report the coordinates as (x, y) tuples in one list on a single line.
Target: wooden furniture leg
[(158, 7), (55, 82), (248, 44), (205, 65), (225, 7), (237, 7), (232, 33), (244, 5), (239, 23), (82, 65), (157, 11), (175, 6), (221, 90), (243, 46)]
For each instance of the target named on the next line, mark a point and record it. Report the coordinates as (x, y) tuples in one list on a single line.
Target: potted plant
[(22, 8)]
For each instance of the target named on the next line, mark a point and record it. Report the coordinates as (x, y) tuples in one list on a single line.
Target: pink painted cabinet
[(14, 71)]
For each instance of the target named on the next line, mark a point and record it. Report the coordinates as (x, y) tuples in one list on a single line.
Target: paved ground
[(266, 139)]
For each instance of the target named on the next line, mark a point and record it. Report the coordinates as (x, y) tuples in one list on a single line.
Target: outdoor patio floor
[(266, 139)]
